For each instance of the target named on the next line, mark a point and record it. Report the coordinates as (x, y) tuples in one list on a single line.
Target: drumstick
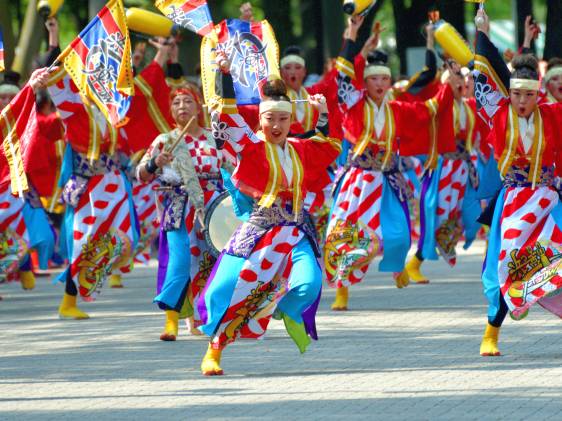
[(181, 135), (322, 101)]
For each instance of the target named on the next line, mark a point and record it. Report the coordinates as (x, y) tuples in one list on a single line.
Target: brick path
[(399, 354)]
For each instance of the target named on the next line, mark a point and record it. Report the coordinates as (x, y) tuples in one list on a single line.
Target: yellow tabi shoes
[(413, 267), (401, 279), (69, 310), (341, 300), (171, 327), (210, 366), (489, 345), (27, 279), (114, 281)]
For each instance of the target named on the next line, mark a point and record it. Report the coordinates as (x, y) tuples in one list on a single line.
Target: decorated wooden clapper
[(253, 52)]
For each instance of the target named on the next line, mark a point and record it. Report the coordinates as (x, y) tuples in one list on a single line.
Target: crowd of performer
[(325, 179)]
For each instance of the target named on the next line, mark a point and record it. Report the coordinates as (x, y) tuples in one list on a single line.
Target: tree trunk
[(553, 44), (453, 12), (7, 32), (409, 27), (278, 14), (523, 8), (311, 12), (333, 27), (29, 40)]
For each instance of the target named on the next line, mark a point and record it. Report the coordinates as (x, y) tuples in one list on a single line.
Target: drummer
[(187, 163)]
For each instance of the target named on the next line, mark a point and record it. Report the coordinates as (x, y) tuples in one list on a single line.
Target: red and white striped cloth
[(14, 238), (354, 236), (144, 198), (452, 185), (529, 239), (262, 284), (102, 233)]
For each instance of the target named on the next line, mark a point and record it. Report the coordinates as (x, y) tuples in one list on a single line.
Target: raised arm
[(348, 94), (230, 130)]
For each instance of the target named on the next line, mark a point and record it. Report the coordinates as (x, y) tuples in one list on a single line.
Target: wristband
[(151, 166)]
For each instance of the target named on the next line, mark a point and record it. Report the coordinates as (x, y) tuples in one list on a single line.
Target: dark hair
[(275, 89), (11, 78), (525, 66), (378, 58), (554, 62), (42, 98), (292, 50)]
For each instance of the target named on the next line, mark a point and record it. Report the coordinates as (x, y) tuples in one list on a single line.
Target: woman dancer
[(269, 267), (525, 240), (98, 232), (553, 80), (370, 213), (186, 163), (23, 221), (448, 203)]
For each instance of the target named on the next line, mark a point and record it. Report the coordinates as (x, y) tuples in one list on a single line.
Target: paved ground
[(399, 354)]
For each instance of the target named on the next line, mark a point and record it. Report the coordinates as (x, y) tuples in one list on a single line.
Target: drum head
[(220, 223)]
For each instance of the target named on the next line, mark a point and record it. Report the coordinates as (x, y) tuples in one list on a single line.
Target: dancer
[(23, 222), (269, 267), (187, 164), (525, 240), (553, 80), (370, 213), (98, 232), (449, 203)]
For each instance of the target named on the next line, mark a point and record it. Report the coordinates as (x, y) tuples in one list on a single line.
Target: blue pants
[(305, 282), (174, 290)]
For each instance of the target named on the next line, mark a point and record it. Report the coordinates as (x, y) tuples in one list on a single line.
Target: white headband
[(529, 84), (9, 89), (273, 105), (555, 71), (292, 58), (376, 70)]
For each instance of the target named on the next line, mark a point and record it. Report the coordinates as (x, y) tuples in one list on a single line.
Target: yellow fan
[(453, 43), (49, 8), (358, 7), (149, 23)]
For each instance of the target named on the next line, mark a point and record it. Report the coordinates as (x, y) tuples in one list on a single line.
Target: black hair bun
[(377, 57), (292, 50), (275, 88), (525, 61), (525, 66), (11, 78)]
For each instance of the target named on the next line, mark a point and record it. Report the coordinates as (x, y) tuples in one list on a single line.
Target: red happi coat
[(254, 173), (413, 124), (552, 119), (329, 88), (149, 113)]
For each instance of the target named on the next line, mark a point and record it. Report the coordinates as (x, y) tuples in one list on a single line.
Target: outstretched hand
[(318, 101), (482, 21), (222, 61), (353, 25), (39, 78), (373, 41), (162, 46)]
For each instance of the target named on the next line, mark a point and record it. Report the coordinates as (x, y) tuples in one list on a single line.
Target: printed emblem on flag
[(193, 15), (99, 62), (253, 52)]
